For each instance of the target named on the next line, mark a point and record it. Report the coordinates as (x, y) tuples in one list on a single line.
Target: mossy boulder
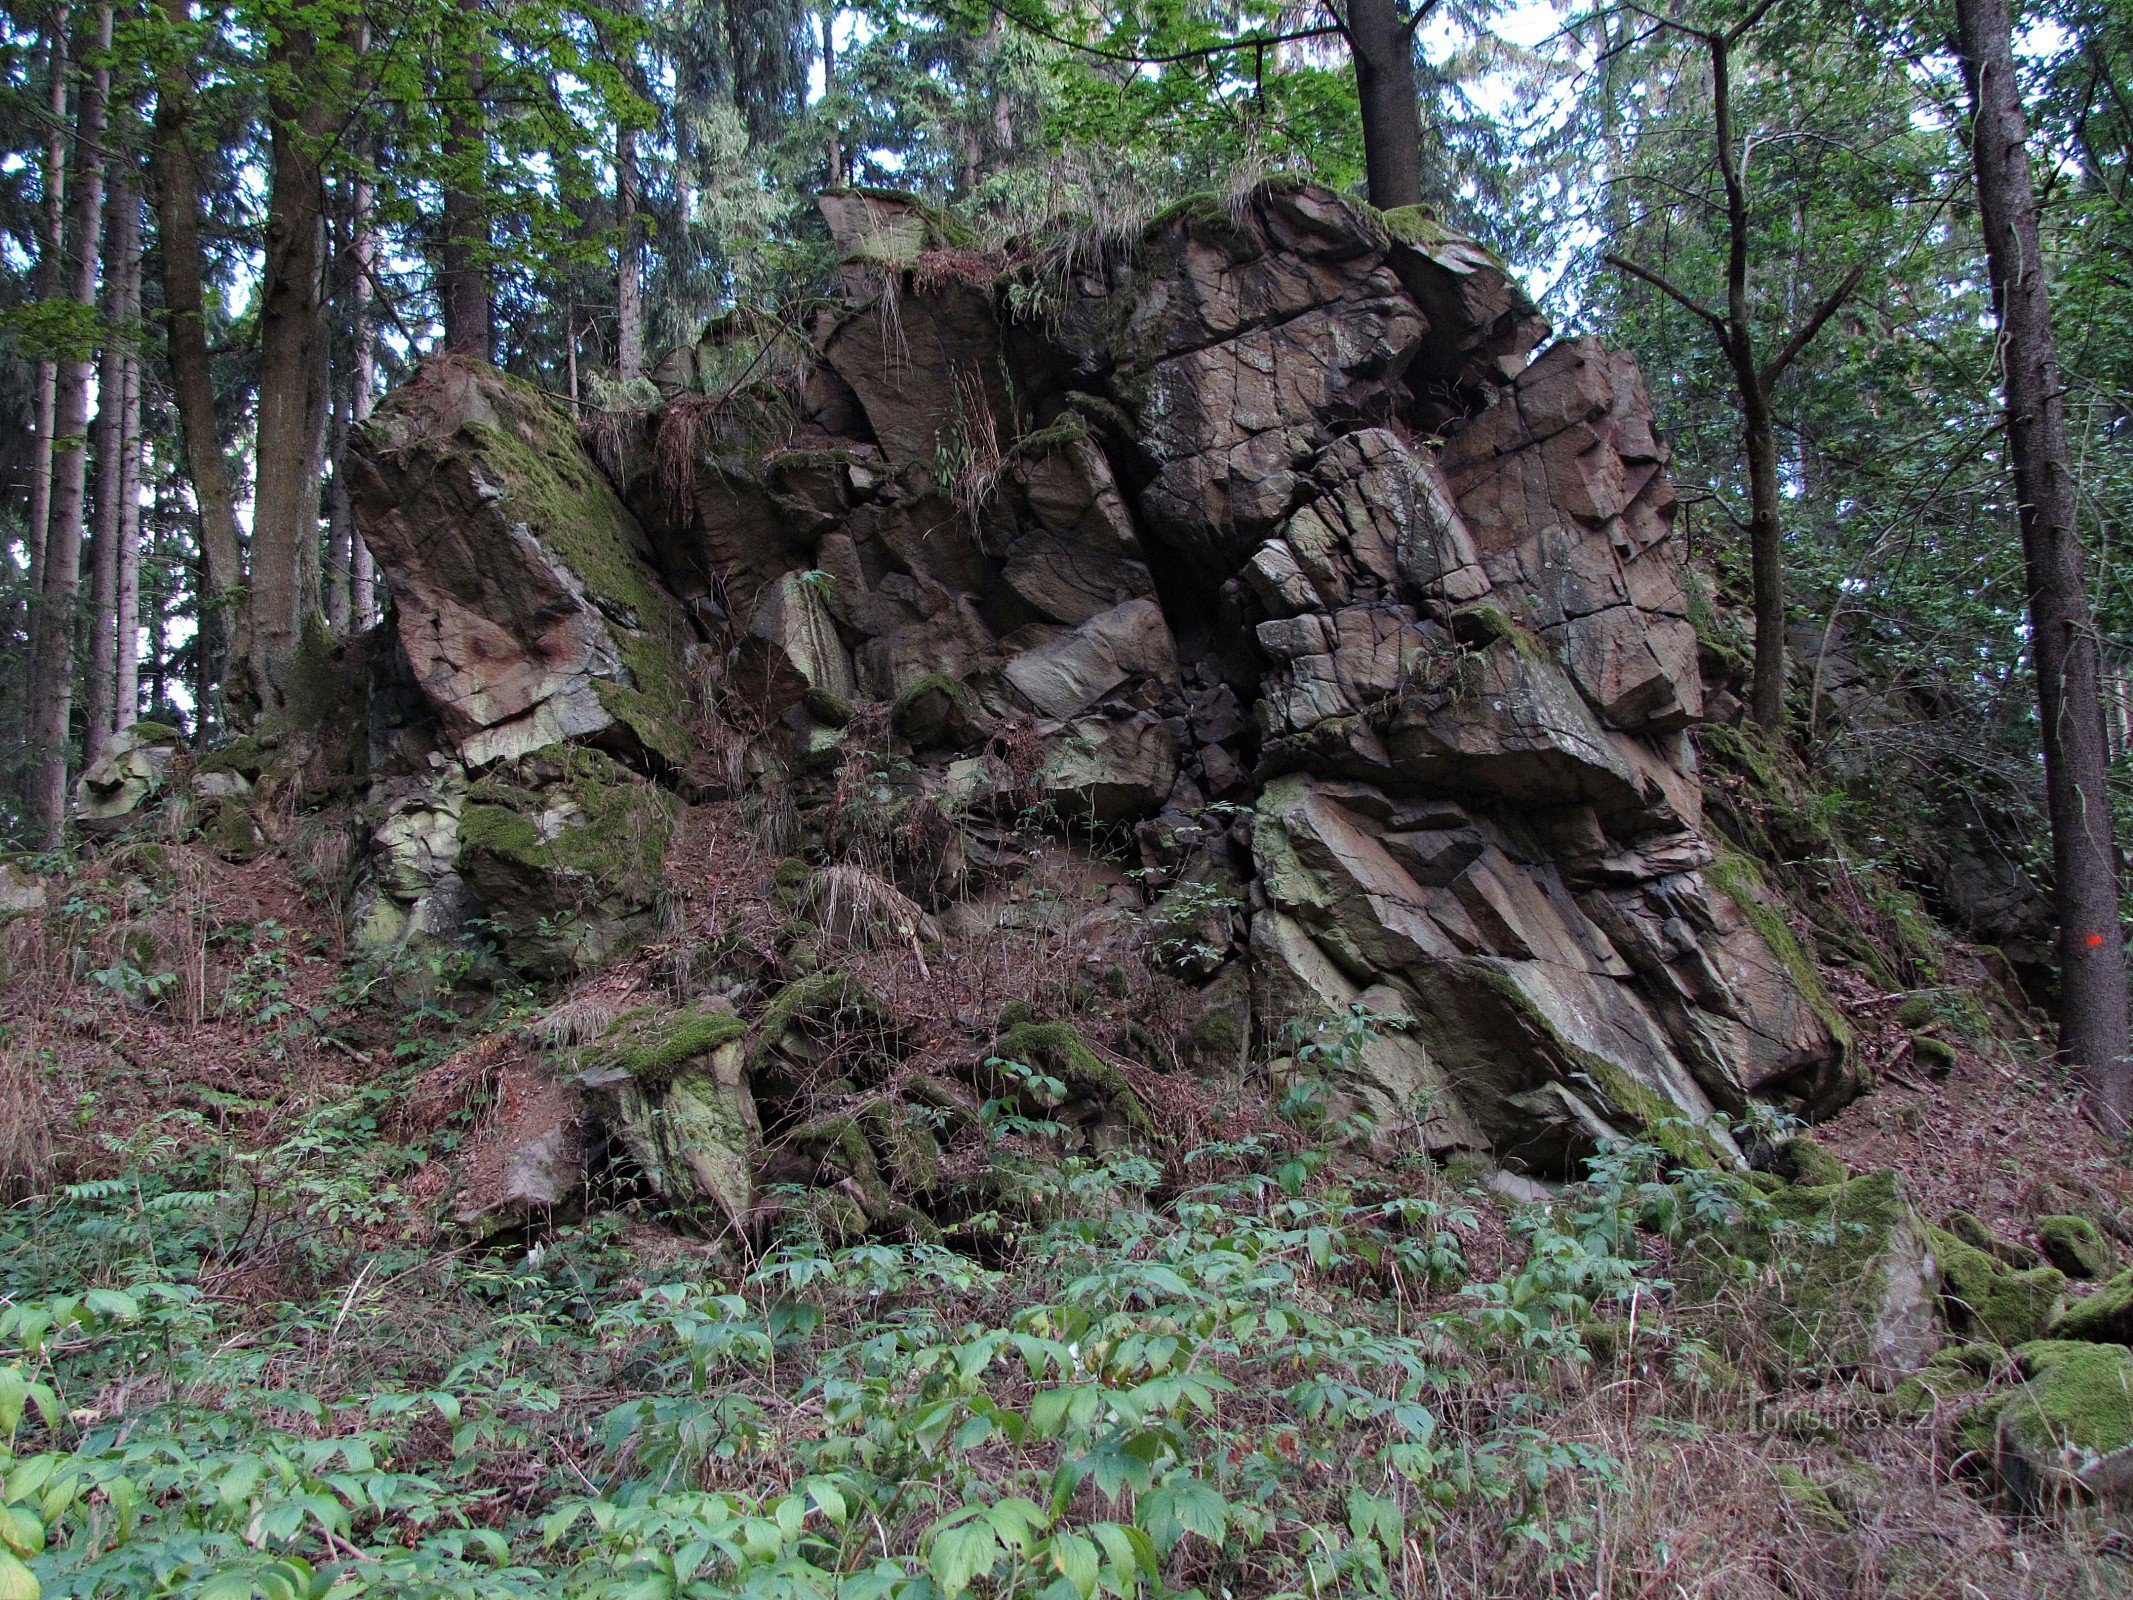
[(1951, 1374), (2105, 1317), (1802, 1159), (1824, 1278), (528, 598), (2067, 1434), (821, 1015), (1973, 1231), (565, 852), (1986, 1299), (134, 770), (1092, 1089), (671, 1088), (2075, 1245)]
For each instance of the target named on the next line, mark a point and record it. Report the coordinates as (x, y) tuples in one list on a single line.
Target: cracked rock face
[(1271, 509)]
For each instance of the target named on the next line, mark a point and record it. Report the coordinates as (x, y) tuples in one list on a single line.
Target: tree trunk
[(2092, 965), (629, 261), (463, 275), (1383, 44), (51, 279), (362, 378), (1766, 554), (334, 581), (829, 95), (292, 390), (51, 696), (340, 522), (126, 666), (222, 624), (122, 243)]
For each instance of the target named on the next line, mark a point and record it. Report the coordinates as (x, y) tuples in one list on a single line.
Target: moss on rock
[(1950, 1374), (2075, 1245), (652, 1045), (1830, 1276), (556, 493), (1741, 881), (1988, 1300), (1973, 1231), (829, 1003), (1803, 1160), (565, 851), (1058, 1048), (2068, 1432), (2105, 1317)]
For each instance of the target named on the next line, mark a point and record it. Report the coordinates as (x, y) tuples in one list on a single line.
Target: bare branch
[(1622, 264), (1775, 367)]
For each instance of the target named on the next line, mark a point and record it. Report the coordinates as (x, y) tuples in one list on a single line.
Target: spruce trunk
[(2092, 1009), (191, 375), (51, 694), (122, 242), (1383, 44)]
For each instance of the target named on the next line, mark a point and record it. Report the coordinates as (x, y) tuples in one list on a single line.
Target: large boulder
[(2067, 1434), (1836, 1278), (1266, 507), (526, 595), (565, 852)]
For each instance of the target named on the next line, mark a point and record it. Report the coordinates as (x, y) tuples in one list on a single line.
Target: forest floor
[(206, 1110)]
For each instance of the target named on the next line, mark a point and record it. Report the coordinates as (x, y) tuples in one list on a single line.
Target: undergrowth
[(1247, 1371)]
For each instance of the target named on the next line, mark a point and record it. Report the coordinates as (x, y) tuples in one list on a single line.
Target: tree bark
[(51, 278), (122, 244), (362, 607), (126, 667), (51, 693), (2092, 1008), (629, 261), (1382, 41), (223, 626), (463, 275), (292, 368)]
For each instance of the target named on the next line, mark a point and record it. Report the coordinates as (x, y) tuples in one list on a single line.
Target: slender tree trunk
[(340, 521), (1766, 557), (122, 244), (223, 627), (629, 261), (52, 635), (1766, 528), (335, 581), (829, 95), (51, 279), (126, 691), (1383, 44), (362, 377), (463, 277), (292, 389), (362, 607), (2092, 965)]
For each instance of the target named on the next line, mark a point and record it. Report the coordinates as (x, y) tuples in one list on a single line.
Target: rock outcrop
[(1259, 550)]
